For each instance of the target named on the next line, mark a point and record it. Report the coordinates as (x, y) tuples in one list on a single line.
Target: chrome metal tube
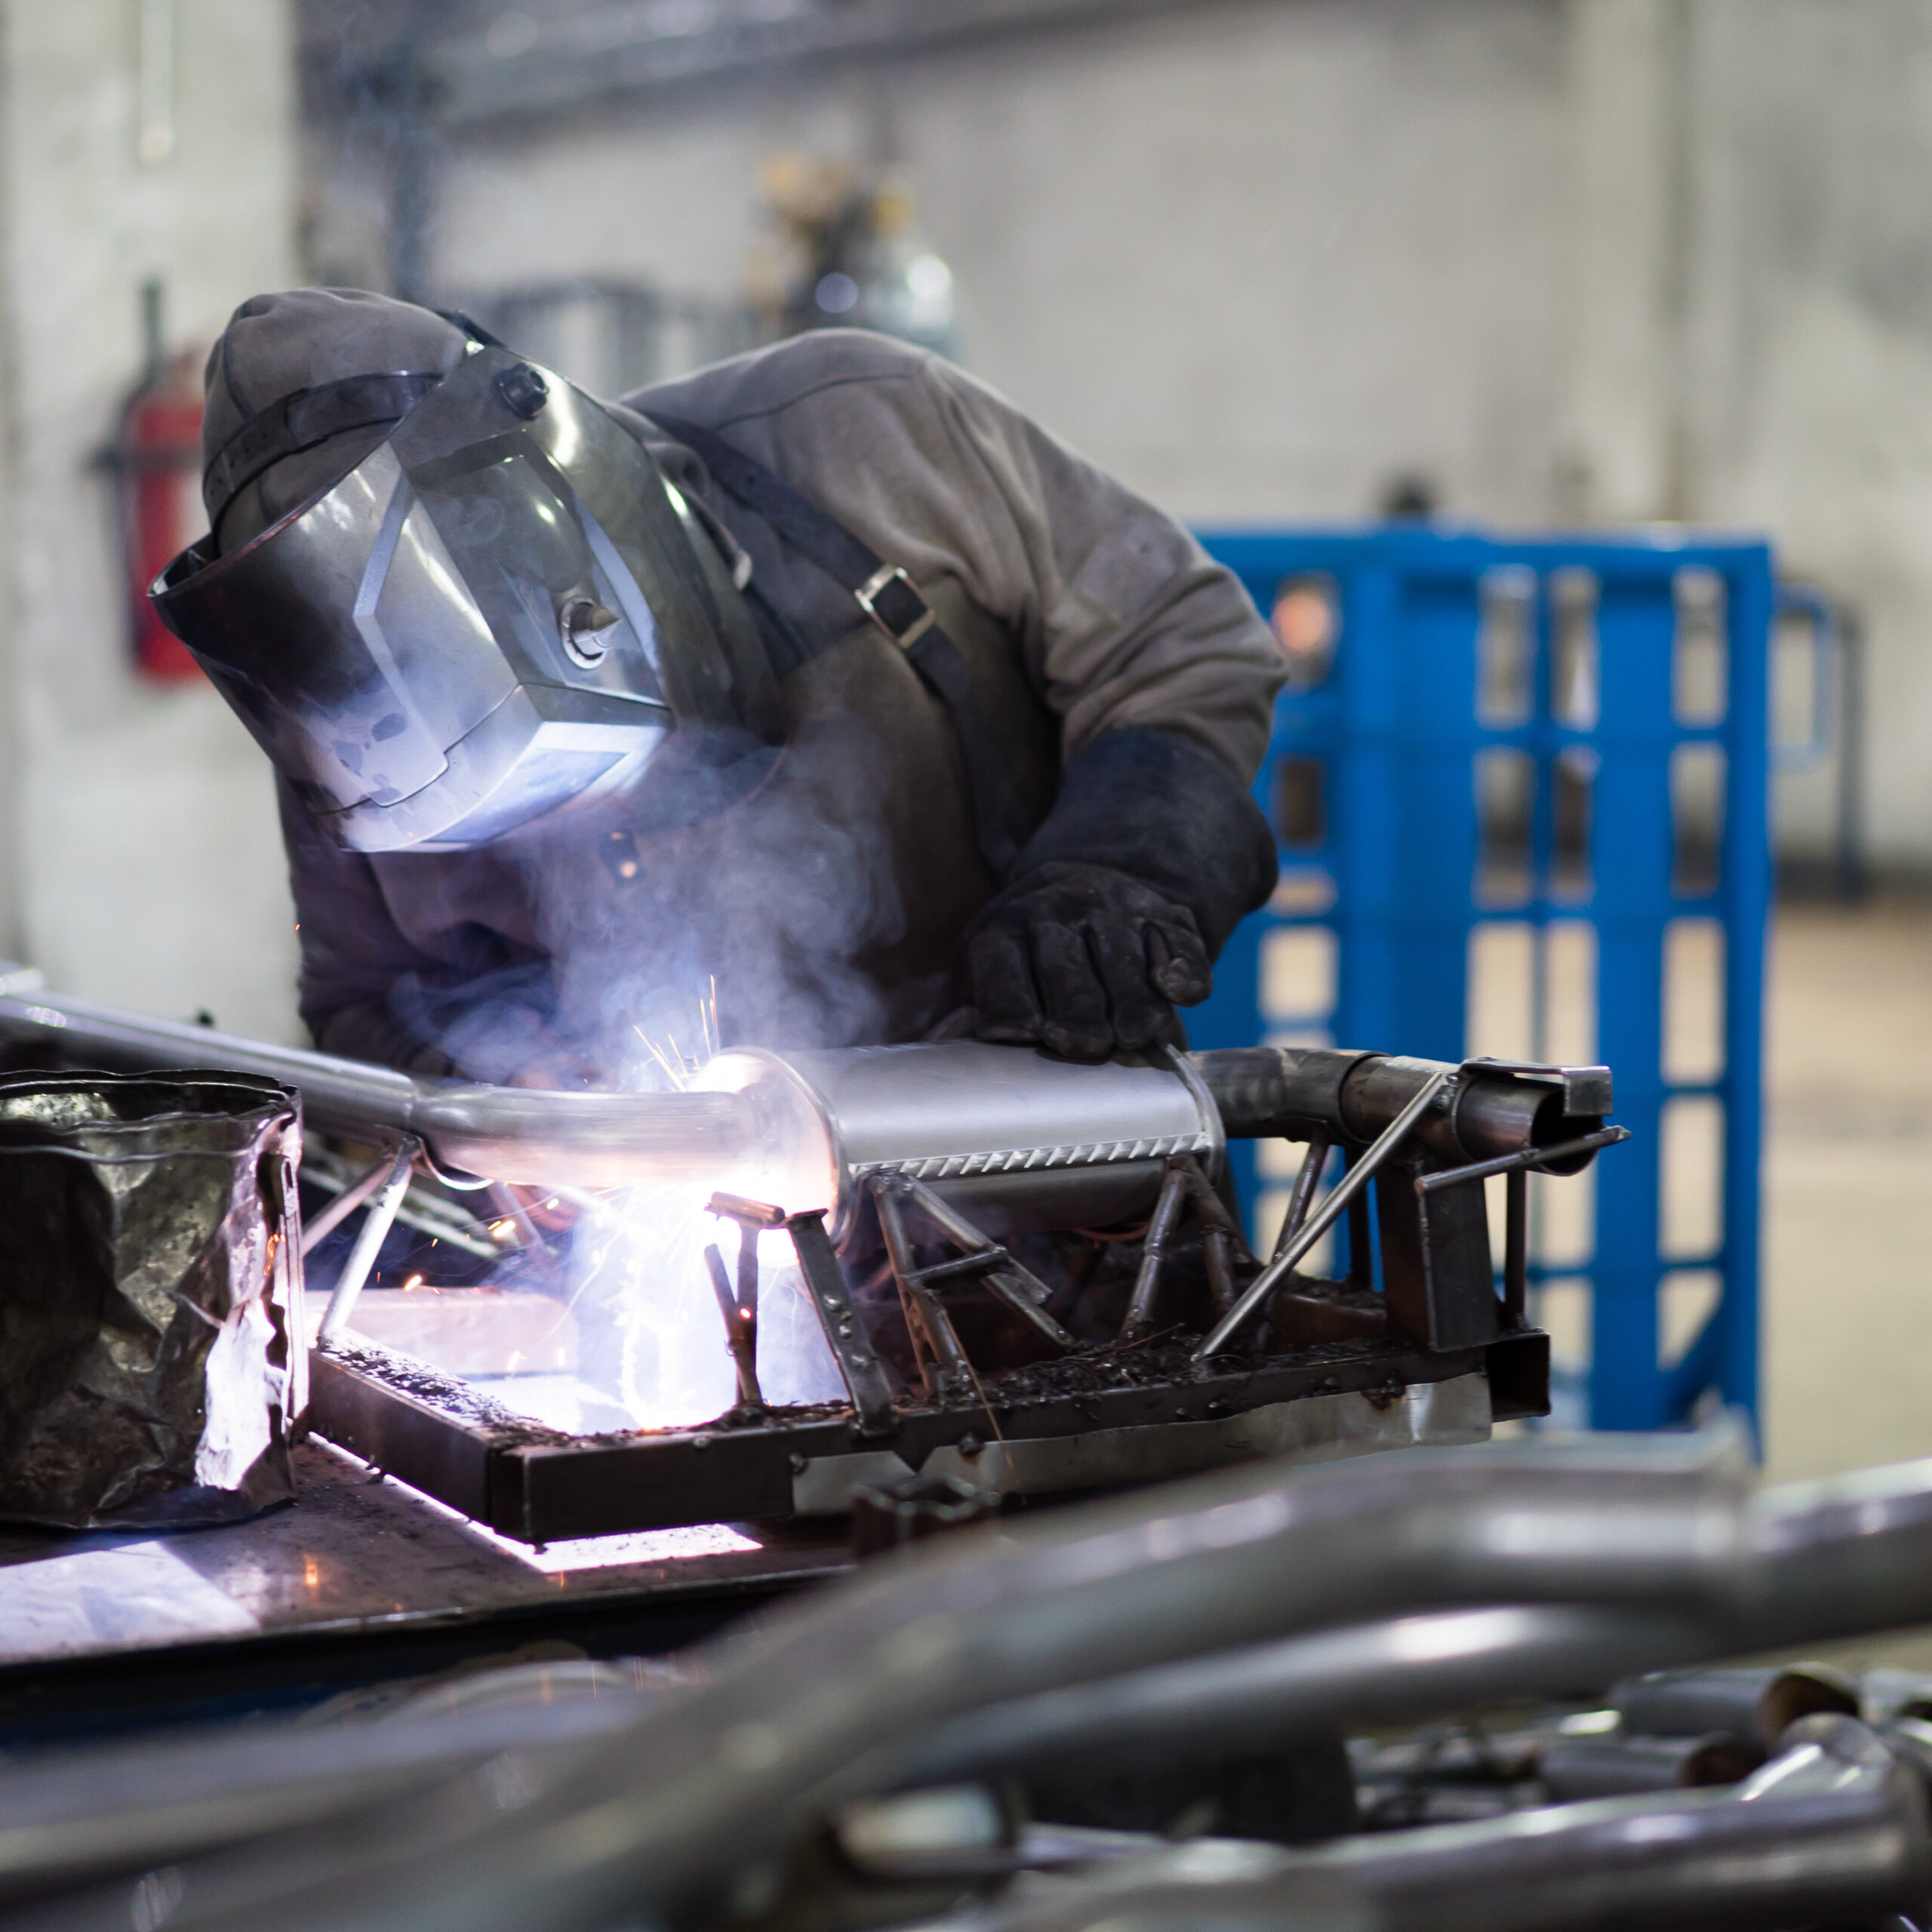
[(1832, 1830), (348, 1094), (511, 1133), (1573, 1769), (1017, 1140), (1402, 1669), (829, 1705), (1762, 1702), (369, 1239)]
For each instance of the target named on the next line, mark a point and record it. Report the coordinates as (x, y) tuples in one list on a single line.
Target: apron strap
[(890, 599)]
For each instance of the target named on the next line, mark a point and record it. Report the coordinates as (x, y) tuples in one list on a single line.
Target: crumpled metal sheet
[(152, 1357)]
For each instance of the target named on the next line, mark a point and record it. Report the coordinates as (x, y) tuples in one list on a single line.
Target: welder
[(820, 688)]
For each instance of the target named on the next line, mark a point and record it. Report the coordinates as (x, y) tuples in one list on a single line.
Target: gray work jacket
[(828, 906)]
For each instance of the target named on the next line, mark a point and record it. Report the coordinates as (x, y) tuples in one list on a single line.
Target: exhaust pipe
[(1023, 1140), (511, 1133)]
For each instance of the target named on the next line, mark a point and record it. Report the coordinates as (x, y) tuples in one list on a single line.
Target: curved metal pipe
[(1403, 1668), (1583, 1767), (824, 1709), (1763, 1702), (1352, 1097), (1843, 1554), (71, 1816), (1834, 1830), (711, 1790), (512, 1133), (1038, 1142)]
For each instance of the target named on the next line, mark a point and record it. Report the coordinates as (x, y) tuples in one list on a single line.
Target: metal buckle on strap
[(869, 593)]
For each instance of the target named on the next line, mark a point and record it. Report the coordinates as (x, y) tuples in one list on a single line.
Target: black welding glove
[(1120, 902)]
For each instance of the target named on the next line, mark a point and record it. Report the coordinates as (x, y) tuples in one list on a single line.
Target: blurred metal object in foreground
[(888, 1516), (1459, 1575)]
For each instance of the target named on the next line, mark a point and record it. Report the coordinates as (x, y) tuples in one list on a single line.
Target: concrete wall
[(146, 866), (1811, 361), (1253, 258), (1750, 335), (1577, 260)]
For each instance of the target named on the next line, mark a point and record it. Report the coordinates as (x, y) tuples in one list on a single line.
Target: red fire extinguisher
[(155, 459)]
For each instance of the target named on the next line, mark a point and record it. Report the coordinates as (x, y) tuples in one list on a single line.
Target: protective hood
[(503, 607)]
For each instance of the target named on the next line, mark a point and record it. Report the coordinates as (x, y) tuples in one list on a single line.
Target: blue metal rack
[(1540, 762)]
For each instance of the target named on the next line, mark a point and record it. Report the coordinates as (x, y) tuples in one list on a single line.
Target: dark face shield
[(500, 609)]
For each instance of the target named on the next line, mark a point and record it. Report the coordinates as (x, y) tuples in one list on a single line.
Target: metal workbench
[(361, 1582)]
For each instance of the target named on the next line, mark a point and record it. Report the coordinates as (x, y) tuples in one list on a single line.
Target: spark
[(673, 1074), (413, 1282), (503, 1229)]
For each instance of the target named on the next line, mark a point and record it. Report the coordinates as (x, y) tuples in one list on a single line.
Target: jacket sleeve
[(1128, 621), (353, 956)]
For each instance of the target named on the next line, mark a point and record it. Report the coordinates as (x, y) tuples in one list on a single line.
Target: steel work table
[(360, 1581)]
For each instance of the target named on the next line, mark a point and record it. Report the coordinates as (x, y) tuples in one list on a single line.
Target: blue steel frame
[(1395, 727)]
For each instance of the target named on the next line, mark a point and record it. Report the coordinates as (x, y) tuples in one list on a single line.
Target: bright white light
[(642, 1546), (1463, 1633), (928, 278)]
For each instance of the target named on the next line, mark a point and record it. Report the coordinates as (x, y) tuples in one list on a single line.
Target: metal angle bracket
[(873, 1412)]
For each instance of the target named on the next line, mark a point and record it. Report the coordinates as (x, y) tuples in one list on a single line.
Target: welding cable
[(1832, 1830), (700, 1803)]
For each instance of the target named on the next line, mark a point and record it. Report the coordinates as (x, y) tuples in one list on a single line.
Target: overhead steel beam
[(524, 66)]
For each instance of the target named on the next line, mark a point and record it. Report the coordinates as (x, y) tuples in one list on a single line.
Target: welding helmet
[(503, 606)]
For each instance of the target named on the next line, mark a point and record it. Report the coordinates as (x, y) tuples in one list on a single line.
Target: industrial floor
[(1848, 1312)]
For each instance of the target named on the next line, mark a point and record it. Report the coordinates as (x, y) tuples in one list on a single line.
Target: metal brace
[(1011, 1280), (865, 1377), (1222, 1243)]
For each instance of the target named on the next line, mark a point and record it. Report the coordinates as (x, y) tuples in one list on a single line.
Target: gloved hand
[(1084, 960), (1120, 902)]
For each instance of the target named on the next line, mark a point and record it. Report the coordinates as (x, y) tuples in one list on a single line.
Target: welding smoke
[(665, 940)]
